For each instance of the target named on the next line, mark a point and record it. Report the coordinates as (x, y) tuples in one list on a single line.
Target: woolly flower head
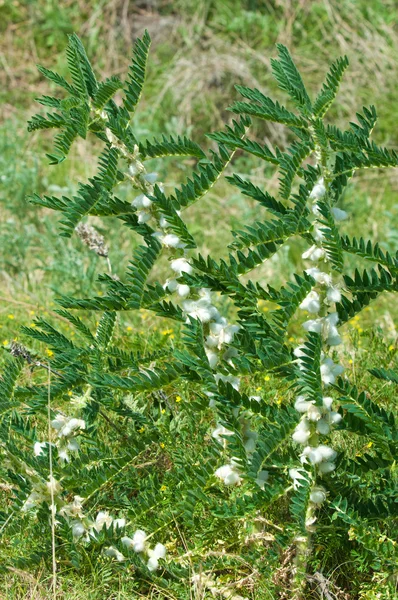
[(141, 201), (302, 433), (317, 454), (317, 495), (314, 253), (201, 309), (319, 276), (170, 240), (228, 474), (137, 543), (180, 266), (66, 426), (319, 190), (102, 520), (159, 551), (311, 303), (339, 215), (329, 371), (38, 448)]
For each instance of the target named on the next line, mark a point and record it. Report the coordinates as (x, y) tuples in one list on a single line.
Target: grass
[(200, 50)]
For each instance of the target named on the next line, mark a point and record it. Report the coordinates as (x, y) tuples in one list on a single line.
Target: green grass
[(200, 50)]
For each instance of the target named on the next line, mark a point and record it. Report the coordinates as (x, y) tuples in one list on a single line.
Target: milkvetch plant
[(261, 452)]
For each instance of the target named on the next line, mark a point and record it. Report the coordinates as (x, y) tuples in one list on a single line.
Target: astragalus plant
[(107, 407)]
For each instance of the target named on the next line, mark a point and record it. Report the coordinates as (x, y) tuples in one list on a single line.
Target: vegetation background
[(200, 50)]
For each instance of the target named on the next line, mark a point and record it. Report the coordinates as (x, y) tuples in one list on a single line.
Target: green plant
[(272, 452)]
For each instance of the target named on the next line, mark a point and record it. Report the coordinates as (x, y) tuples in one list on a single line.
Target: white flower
[(319, 190), (301, 404), (53, 486), (38, 448), (119, 523), (73, 509), (326, 467), (141, 201), (221, 431), (312, 454), (153, 564), (102, 520), (113, 552), (319, 233), (302, 432), (323, 427), (159, 551), (228, 474), (171, 285), (329, 371), (311, 303), (134, 169), (317, 495), (180, 266), (335, 417), (212, 357), (314, 325), (138, 541), (200, 309), (221, 333), (58, 422), (163, 222), (262, 477), (317, 455), (171, 240), (314, 253), (73, 445), (65, 426), (151, 177), (339, 215), (319, 276), (63, 455), (330, 331), (313, 413), (297, 475), (327, 453), (327, 402), (183, 290), (333, 294), (78, 529), (143, 216), (211, 341)]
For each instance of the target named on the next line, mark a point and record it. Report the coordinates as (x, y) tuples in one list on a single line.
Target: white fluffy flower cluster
[(43, 491), (138, 543), (82, 526), (67, 429), (318, 420), (229, 474)]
